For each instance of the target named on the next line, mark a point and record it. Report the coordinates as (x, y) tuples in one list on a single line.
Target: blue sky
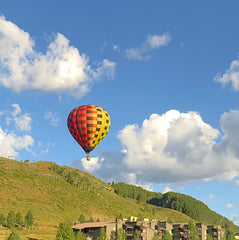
[(167, 72)]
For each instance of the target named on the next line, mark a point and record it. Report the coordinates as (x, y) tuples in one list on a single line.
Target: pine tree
[(192, 231), (167, 236), (14, 236), (102, 234), (29, 220), (155, 237), (11, 219), (80, 236), (229, 235), (82, 218), (91, 219), (136, 235), (65, 232), (19, 219), (209, 237), (2, 220), (121, 235)]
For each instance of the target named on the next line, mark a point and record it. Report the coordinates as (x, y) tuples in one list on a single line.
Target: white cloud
[(22, 121), (53, 117), (211, 196), (230, 76), (174, 148), (13, 139), (17, 110), (92, 165), (157, 41), (142, 52), (61, 69), (229, 205), (167, 189), (10, 142)]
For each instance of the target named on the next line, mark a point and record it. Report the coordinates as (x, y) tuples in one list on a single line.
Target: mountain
[(188, 205)]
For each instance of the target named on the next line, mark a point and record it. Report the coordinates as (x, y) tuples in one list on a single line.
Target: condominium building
[(215, 232), (147, 229)]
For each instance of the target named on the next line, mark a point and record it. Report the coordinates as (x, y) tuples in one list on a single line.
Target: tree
[(121, 235), (209, 237), (167, 236), (119, 217), (229, 235), (91, 219), (192, 231), (140, 217), (29, 220), (102, 235), (11, 219), (14, 236), (80, 236), (155, 237), (19, 219), (82, 218), (2, 220), (136, 235), (65, 232)]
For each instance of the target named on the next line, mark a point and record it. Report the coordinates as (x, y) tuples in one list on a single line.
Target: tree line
[(16, 220)]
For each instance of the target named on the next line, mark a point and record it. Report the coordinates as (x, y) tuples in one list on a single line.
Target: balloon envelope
[(88, 124)]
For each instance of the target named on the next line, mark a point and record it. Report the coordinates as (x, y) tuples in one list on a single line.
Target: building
[(180, 231), (92, 229), (215, 232), (162, 227), (146, 229), (201, 231)]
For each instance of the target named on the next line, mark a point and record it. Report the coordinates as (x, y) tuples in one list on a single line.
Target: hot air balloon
[(88, 124)]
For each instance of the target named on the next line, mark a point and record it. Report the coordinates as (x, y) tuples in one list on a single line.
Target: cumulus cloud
[(92, 165), (12, 140), (229, 205), (10, 143), (230, 76), (61, 69), (142, 52), (175, 148)]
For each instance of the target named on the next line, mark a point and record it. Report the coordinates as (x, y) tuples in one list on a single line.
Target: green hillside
[(54, 193), (192, 207)]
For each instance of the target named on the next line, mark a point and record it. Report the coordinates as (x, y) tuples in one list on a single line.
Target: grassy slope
[(36, 187)]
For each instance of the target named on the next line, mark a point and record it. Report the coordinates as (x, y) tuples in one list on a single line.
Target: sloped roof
[(92, 225)]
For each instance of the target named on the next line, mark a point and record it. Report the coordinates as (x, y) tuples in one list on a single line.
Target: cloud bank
[(174, 148), (61, 69)]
